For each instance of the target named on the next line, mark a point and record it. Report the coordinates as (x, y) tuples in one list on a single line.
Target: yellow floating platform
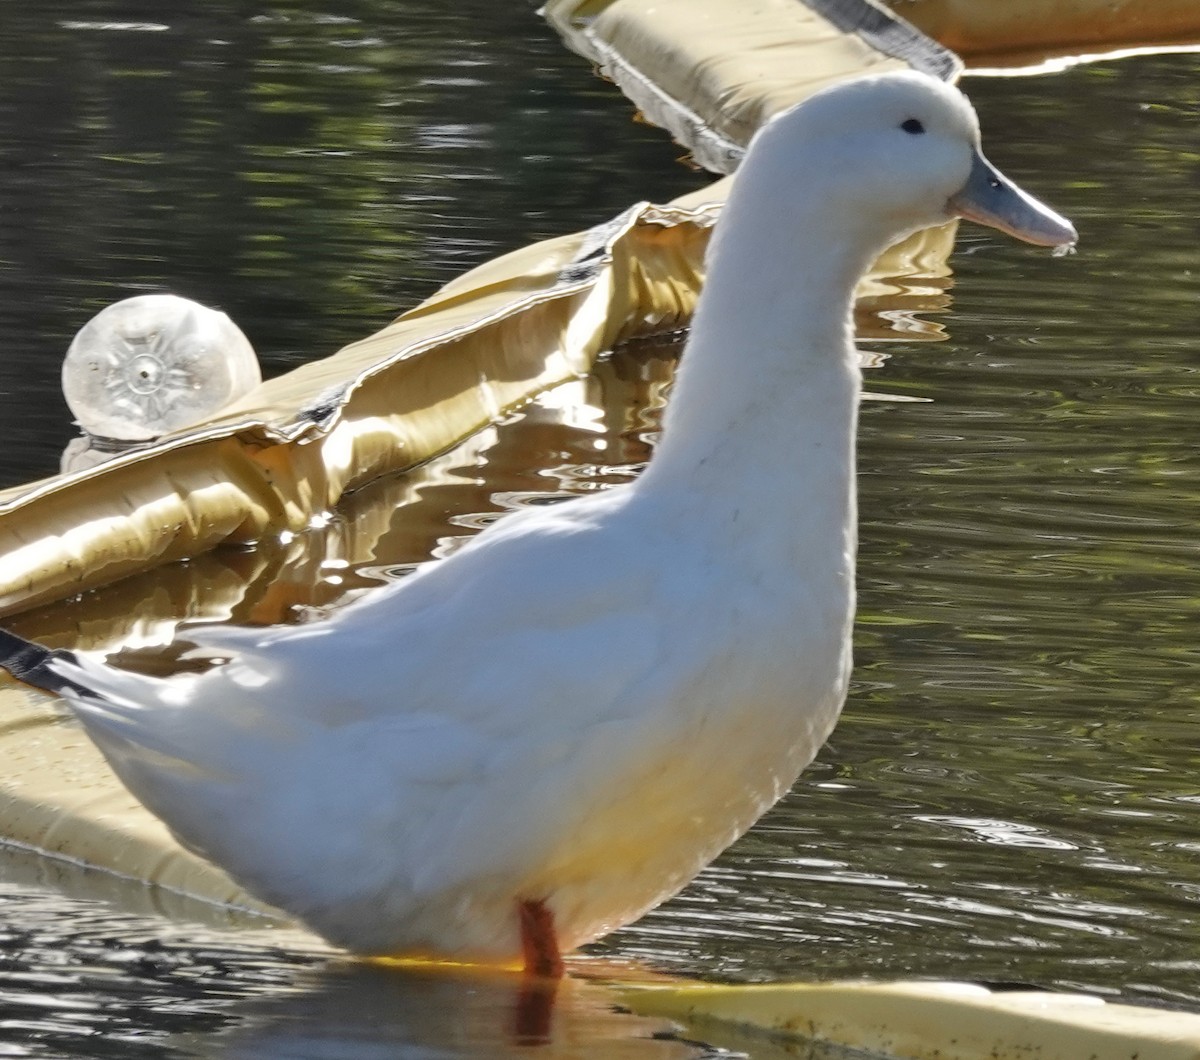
[(711, 72), (925, 1021), (1015, 34)]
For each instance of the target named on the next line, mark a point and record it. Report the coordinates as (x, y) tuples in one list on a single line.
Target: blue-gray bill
[(990, 198)]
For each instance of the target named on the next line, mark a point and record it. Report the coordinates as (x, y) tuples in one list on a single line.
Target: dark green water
[(1013, 792)]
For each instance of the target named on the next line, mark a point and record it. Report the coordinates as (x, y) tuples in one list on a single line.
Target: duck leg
[(539, 942), (543, 970)]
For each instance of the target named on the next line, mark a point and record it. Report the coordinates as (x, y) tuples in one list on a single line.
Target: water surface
[(1013, 792)]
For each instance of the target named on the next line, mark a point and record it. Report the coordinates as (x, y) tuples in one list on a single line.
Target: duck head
[(902, 150)]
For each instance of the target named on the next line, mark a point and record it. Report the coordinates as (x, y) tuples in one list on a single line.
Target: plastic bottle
[(153, 364)]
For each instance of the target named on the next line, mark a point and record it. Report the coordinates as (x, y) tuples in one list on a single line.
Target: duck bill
[(990, 198)]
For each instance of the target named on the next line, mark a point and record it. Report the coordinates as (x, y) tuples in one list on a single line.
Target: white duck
[(529, 744)]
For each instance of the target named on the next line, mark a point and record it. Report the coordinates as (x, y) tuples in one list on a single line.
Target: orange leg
[(539, 941), (543, 970)]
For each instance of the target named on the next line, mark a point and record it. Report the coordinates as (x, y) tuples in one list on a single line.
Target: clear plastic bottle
[(153, 364)]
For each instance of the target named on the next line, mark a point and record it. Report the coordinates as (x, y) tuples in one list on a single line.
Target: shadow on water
[(1012, 791)]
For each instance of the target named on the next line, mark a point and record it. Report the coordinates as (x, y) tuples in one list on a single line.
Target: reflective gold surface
[(712, 71), (1024, 33)]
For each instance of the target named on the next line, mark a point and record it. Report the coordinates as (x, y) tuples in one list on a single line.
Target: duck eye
[(912, 126)]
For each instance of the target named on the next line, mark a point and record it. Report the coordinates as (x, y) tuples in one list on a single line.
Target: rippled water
[(1013, 792)]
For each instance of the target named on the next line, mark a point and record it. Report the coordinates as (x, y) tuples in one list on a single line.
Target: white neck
[(762, 423)]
